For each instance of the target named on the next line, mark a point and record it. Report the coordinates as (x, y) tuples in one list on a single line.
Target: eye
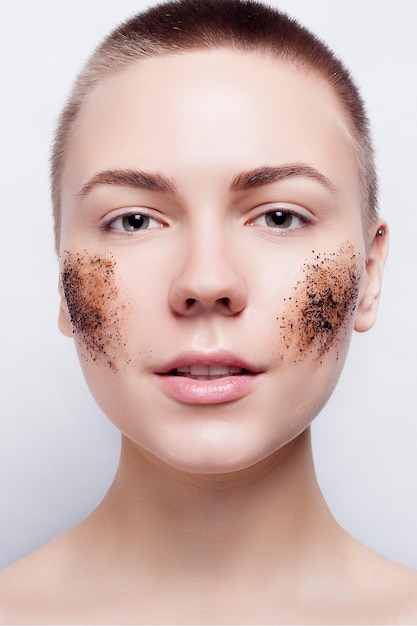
[(133, 223), (280, 219)]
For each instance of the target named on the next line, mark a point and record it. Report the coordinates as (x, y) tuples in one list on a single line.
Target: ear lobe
[(371, 285), (64, 320)]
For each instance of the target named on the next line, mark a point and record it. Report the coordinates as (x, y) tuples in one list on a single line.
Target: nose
[(208, 280)]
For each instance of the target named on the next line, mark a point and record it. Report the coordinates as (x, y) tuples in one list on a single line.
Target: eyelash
[(145, 219), (280, 219)]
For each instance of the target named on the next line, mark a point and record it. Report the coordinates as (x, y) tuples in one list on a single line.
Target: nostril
[(225, 301), (189, 302)]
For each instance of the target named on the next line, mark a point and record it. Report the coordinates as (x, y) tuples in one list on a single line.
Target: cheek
[(92, 298), (320, 312)]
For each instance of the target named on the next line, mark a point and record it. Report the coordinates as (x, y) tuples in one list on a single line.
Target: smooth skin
[(215, 515)]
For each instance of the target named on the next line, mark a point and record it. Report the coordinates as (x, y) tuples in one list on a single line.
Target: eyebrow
[(266, 175), (129, 178), (257, 177)]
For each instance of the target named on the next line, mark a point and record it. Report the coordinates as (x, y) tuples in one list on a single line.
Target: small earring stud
[(380, 232)]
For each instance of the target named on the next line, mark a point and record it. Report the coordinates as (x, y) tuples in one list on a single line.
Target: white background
[(57, 452)]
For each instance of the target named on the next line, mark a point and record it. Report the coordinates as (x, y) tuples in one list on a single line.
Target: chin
[(210, 464), (218, 448)]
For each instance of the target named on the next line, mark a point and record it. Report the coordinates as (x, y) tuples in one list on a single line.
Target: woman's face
[(212, 254)]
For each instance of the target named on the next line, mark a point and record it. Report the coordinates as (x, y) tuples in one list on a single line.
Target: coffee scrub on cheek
[(92, 297), (317, 315)]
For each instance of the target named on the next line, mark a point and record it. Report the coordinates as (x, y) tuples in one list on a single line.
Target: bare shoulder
[(31, 582), (404, 592), (390, 589), (403, 582), (10, 579)]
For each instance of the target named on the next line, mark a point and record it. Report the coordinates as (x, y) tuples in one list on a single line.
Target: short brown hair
[(186, 25)]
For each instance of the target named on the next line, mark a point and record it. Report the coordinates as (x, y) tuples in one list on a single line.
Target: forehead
[(211, 110)]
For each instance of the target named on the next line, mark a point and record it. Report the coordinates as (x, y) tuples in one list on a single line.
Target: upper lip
[(211, 359)]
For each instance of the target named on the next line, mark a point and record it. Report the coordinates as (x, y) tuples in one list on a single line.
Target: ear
[(64, 320), (371, 284)]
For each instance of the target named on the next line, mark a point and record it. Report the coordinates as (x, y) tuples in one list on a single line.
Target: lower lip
[(216, 391)]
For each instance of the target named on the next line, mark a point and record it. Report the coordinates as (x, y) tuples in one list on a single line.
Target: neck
[(221, 521)]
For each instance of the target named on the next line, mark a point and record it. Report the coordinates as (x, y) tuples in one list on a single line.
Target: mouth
[(208, 378), (207, 372)]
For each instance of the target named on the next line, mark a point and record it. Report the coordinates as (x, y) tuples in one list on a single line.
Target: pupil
[(134, 222), (280, 218)]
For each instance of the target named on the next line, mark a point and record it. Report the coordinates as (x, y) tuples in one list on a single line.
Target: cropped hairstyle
[(189, 25)]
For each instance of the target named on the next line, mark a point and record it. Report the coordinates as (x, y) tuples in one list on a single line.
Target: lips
[(208, 378)]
